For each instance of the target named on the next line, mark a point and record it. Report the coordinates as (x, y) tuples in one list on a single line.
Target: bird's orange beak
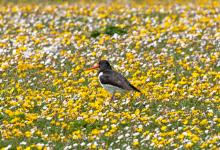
[(94, 67)]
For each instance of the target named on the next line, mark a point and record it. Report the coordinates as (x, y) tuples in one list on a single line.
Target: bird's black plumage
[(111, 77)]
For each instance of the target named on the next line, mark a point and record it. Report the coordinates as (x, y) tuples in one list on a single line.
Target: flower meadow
[(169, 51)]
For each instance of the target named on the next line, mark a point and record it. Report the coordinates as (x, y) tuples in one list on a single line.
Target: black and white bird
[(111, 80)]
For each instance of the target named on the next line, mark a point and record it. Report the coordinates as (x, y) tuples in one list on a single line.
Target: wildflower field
[(170, 51)]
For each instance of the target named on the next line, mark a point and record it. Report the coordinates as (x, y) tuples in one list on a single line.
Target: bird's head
[(102, 65)]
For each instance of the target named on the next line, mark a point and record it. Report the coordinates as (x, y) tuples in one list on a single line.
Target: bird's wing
[(116, 79)]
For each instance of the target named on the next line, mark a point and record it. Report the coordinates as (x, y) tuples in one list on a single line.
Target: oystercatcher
[(111, 80)]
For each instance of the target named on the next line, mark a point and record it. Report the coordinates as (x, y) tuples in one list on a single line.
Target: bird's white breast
[(110, 88)]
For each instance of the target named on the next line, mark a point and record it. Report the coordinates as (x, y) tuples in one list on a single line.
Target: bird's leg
[(114, 107), (113, 96)]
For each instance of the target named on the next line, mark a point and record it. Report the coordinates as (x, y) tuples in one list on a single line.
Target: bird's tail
[(134, 88)]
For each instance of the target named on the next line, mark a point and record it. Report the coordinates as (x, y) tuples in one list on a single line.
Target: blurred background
[(199, 2)]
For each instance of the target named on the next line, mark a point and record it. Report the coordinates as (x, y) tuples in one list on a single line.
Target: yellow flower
[(204, 122), (76, 135), (28, 134), (95, 132), (188, 145), (163, 128), (93, 146), (136, 142)]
